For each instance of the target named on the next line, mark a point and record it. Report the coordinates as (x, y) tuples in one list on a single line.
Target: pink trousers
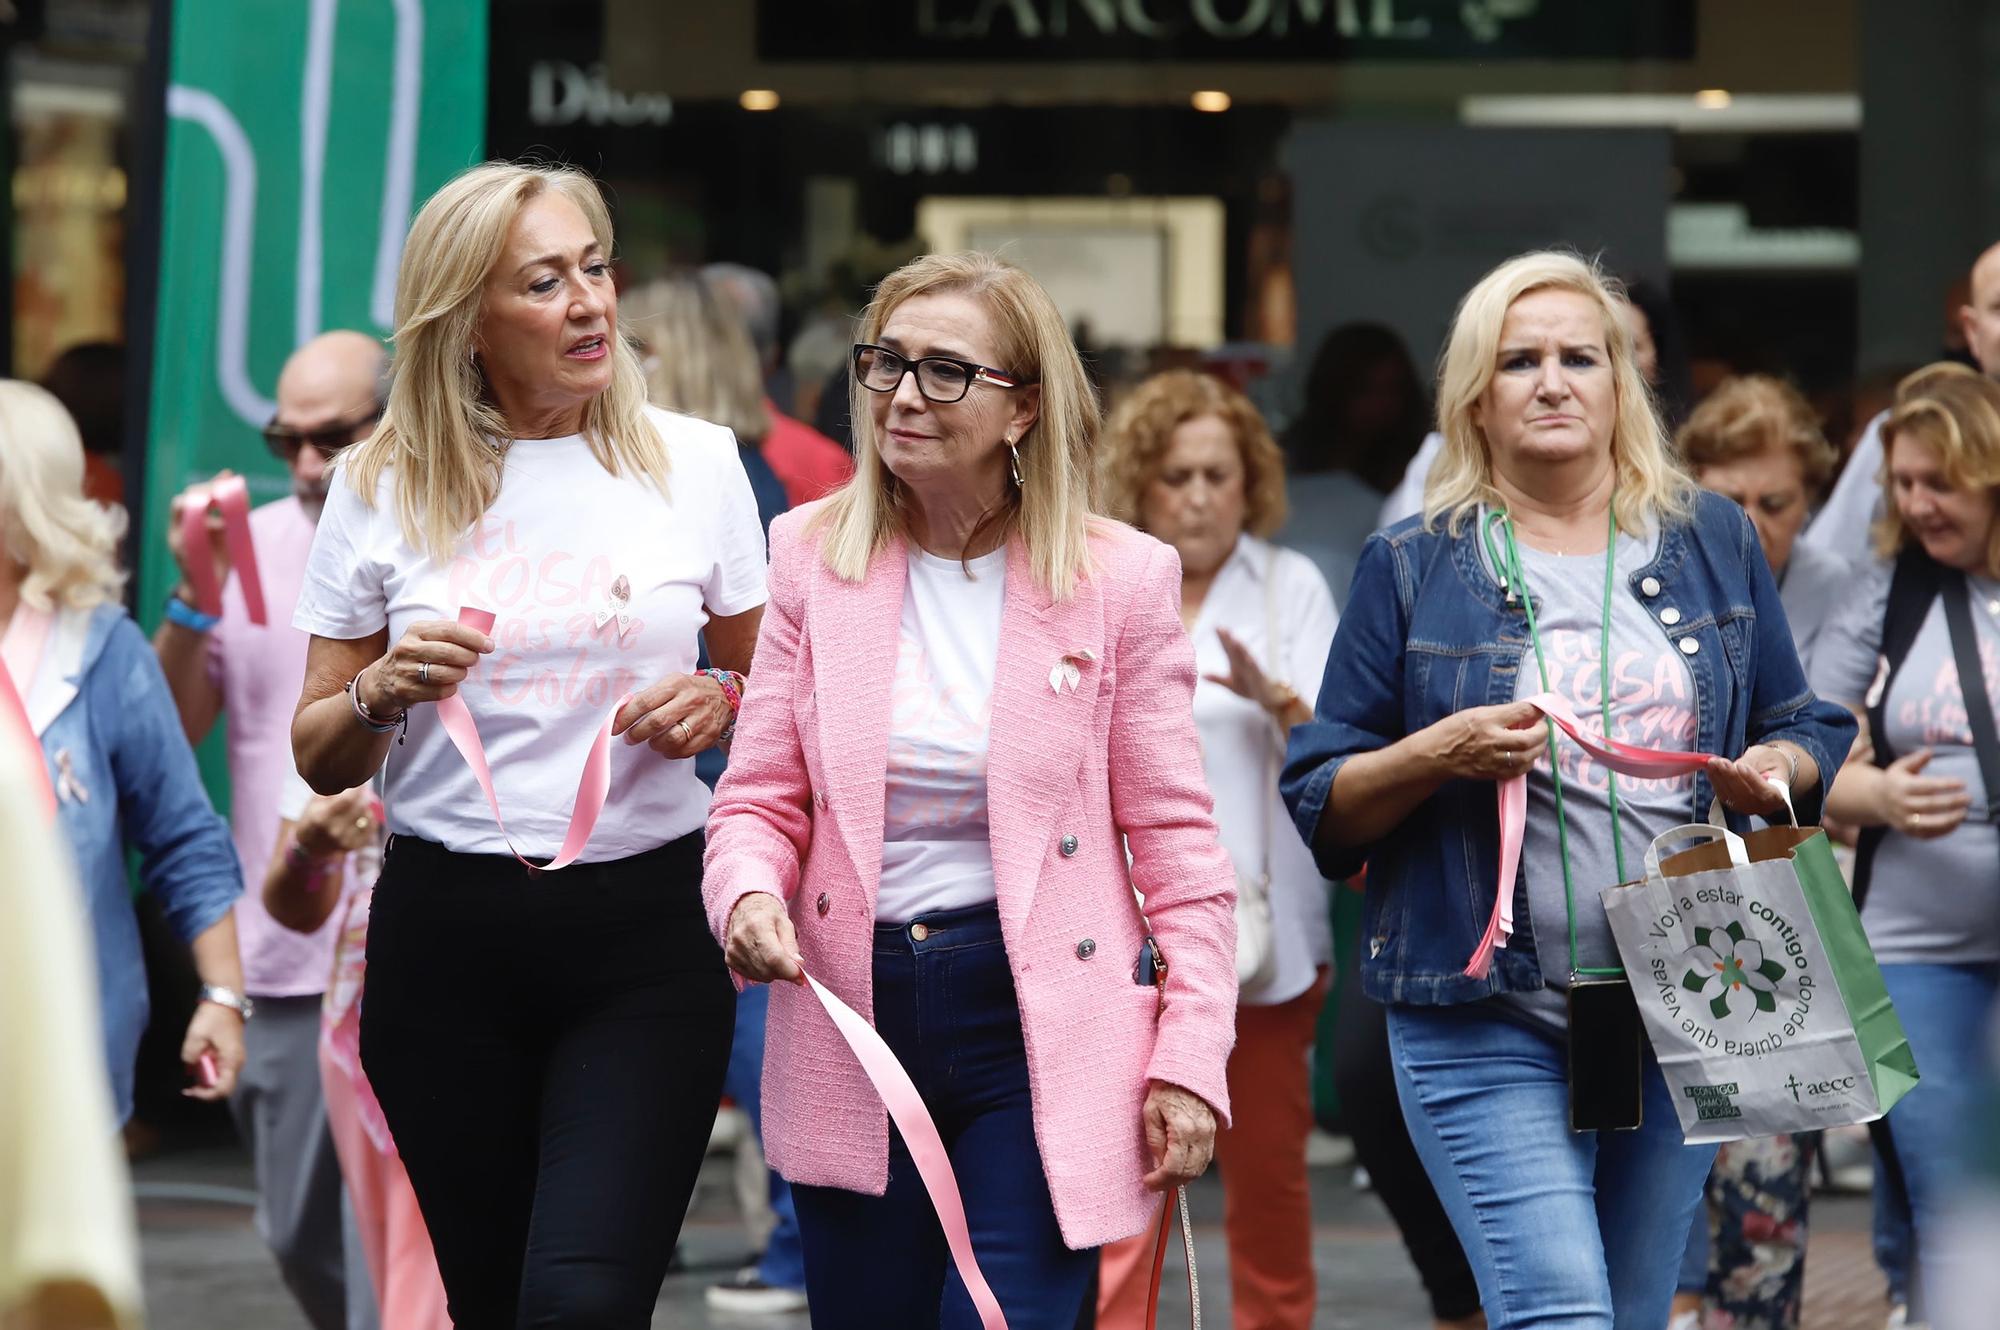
[(393, 1236)]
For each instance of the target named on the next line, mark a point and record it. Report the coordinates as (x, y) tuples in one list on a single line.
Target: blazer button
[(1086, 949), (1689, 646), (1068, 846), (822, 905), (1670, 616), (1650, 586), (819, 798)]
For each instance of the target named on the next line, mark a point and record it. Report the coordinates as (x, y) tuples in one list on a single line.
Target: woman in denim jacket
[(1557, 479), (111, 739)]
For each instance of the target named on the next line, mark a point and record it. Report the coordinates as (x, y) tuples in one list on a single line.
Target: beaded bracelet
[(731, 684)]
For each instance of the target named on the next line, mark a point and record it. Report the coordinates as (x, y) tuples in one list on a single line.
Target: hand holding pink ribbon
[(1626, 759), (591, 790), (230, 497)]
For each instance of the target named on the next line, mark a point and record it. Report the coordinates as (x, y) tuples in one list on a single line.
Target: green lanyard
[(1507, 559)]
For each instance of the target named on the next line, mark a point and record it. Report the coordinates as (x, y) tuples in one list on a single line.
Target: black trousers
[(548, 1050)]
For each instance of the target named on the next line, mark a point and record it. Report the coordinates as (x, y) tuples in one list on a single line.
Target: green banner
[(301, 136)]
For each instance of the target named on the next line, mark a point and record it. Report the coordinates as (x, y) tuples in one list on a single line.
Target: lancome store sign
[(1193, 30)]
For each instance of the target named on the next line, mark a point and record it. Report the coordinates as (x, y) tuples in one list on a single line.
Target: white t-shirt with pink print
[(564, 542), (936, 854)]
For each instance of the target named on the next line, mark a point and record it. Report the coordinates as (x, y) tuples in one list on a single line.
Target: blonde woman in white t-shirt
[(1188, 459), (548, 1049)]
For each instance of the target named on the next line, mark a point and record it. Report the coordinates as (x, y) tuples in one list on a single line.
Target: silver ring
[(1916, 820), (423, 671)]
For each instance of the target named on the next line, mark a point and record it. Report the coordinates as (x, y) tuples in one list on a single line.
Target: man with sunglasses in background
[(330, 394)]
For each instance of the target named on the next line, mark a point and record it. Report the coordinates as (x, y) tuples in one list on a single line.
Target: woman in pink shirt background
[(972, 696)]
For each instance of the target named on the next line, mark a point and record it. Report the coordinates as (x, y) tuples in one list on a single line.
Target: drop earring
[(1014, 461)]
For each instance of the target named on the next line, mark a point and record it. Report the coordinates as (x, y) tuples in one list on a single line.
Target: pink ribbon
[(920, 1134), (230, 497), (1626, 759), (591, 790)]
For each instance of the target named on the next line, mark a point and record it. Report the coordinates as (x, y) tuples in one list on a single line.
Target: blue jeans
[(946, 1006), (784, 1263), (1579, 1230), (1946, 1011)]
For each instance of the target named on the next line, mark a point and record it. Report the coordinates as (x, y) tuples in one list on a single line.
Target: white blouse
[(1261, 583)]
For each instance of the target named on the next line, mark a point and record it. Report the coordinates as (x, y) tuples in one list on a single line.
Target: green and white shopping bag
[(1757, 985)]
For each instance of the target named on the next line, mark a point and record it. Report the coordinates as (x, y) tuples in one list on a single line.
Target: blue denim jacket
[(125, 776), (1427, 632)]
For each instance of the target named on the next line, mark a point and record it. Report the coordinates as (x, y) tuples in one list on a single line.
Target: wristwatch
[(228, 997)]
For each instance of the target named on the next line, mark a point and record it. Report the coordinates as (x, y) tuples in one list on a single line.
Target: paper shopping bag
[(1759, 991)]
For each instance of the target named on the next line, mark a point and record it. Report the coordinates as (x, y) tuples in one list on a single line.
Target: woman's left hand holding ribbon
[(1744, 786), (679, 716)]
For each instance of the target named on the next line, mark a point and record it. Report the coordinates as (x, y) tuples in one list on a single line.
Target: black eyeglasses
[(285, 443), (940, 379)]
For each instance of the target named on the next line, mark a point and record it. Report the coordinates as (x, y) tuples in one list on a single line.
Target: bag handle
[(1739, 854), (1972, 684), (1172, 1205)]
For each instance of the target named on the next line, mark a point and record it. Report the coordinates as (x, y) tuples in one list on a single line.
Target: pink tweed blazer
[(1113, 764)]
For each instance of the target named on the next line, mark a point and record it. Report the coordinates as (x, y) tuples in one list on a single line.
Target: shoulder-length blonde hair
[(1051, 509), (1142, 427), (441, 413), (1956, 410), (1652, 485), (703, 363), (68, 543)]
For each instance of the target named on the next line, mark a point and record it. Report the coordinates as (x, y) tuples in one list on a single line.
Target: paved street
[(206, 1269)]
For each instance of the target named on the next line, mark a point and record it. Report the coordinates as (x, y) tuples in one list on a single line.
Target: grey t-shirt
[(1652, 704), (1929, 901), (1817, 582)]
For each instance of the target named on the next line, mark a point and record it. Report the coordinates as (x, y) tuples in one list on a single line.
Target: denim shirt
[(1427, 632), (125, 776)]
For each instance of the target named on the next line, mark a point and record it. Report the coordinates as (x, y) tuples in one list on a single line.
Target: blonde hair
[(1652, 485), (704, 365), (1751, 413), (1956, 410), (441, 412), (1142, 428), (1051, 508), (68, 543)]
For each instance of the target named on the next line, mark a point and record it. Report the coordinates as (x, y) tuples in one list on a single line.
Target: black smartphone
[(1607, 1048)]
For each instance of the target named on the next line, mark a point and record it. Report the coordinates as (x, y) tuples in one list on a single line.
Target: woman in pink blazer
[(971, 700)]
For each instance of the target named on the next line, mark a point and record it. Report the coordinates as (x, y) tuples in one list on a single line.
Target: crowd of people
[(1043, 720)]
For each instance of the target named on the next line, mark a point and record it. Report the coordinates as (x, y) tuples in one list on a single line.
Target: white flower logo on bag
[(1734, 963)]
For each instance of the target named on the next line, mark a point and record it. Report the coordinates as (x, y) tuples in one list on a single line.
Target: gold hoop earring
[(1014, 462)]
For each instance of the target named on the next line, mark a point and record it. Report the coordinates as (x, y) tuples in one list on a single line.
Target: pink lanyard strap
[(230, 497), (920, 1135), (591, 790), (20, 660), (1626, 759)]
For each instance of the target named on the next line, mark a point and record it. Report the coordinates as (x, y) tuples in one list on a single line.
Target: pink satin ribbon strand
[(920, 1134), (1624, 758), (230, 497), (591, 791)]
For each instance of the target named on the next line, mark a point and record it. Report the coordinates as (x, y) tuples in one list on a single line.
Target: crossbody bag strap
[(1972, 683), (1274, 658)]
